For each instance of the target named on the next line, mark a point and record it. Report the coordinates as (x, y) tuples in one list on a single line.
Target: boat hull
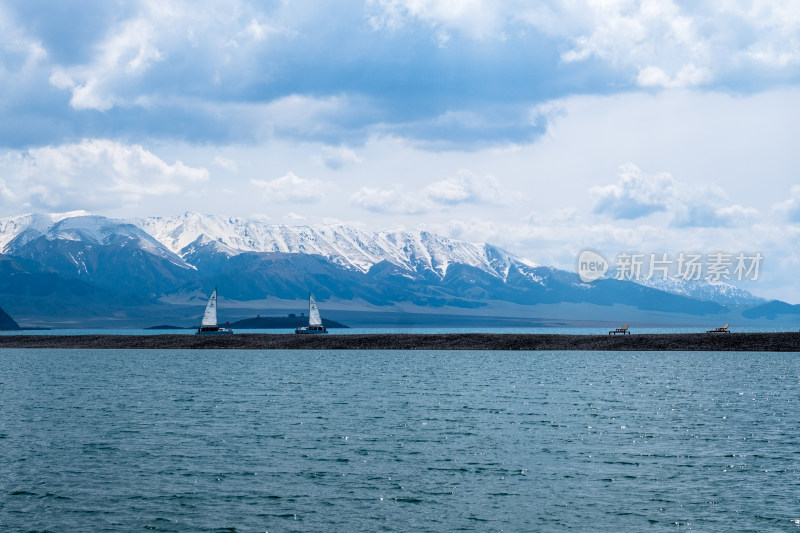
[(217, 331), (311, 331)]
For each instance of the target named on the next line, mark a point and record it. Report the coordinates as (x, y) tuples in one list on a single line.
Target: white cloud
[(23, 60), (260, 31), (777, 28), (790, 208), (306, 115), (677, 44), (630, 31), (387, 201), (123, 58), (212, 43), (659, 43), (336, 157), (294, 217), (260, 217), (637, 195), (19, 52), (688, 76), (712, 215), (239, 70), (94, 173), (478, 19), (466, 187), (291, 188), (226, 163)]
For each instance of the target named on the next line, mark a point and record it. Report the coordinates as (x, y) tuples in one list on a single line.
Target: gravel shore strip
[(770, 342)]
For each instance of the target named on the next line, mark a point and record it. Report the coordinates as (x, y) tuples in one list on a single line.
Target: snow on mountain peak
[(76, 226), (88, 228), (717, 291), (345, 245), (34, 224)]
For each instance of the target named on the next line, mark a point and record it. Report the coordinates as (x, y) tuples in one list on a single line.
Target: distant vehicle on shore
[(314, 319), (209, 325)]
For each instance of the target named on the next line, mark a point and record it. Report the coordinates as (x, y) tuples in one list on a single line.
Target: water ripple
[(398, 441)]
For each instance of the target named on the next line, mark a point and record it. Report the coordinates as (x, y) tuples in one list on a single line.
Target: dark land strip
[(770, 342)]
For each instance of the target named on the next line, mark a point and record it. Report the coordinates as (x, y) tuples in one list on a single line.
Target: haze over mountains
[(75, 269)]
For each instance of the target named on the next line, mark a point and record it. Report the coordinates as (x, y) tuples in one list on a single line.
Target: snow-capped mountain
[(112, 254), (18, 232), (344, 245), (156, 253), (34, 225), (94, 264), (717, 291)]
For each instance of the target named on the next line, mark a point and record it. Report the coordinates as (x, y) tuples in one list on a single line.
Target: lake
[(123, 440)]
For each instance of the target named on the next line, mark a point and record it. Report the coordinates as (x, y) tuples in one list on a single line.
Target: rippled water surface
[(119, 440)]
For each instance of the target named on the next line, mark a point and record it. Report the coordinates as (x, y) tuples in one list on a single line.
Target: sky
[(544, 127)]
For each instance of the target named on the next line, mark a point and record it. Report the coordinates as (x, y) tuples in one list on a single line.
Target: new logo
[(591, 266)]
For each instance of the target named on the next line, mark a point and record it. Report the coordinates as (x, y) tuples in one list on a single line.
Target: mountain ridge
[(343, 244), (155, 262)]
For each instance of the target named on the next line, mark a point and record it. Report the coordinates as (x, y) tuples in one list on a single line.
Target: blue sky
[(543, 127)]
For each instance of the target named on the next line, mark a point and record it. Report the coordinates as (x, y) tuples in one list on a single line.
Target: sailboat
[(314, 320), (209, 325)]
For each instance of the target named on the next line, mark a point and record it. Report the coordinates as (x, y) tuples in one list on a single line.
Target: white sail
[(313, 313), (210, 316)]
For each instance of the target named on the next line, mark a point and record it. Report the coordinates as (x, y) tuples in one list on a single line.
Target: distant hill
[(280, 322), (6, 322), (771, 310)]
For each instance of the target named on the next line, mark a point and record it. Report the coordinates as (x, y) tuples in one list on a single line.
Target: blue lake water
[(125, 440)]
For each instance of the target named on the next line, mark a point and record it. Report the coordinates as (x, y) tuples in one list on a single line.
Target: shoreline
[(768, 342)]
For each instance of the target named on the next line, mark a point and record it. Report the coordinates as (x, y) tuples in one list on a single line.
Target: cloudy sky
[(543, 127)]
